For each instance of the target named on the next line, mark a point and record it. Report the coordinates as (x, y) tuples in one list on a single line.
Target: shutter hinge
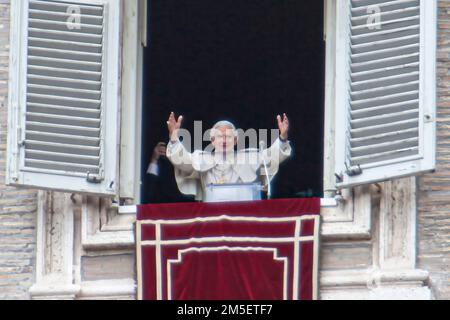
[(93, 178), (339, 178), (20, 142), (353, 170)]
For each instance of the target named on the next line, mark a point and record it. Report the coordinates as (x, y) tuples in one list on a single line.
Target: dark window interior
[(239, 60)]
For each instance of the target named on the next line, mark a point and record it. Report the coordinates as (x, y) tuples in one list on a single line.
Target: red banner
[(260, 250)]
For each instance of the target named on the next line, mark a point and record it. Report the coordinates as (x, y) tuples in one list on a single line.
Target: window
[(243, 61), (64, 133)]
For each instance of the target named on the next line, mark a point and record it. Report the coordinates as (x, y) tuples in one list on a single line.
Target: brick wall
[(434, 199), (17, 207)]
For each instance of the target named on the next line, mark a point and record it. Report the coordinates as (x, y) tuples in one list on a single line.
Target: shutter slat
[(385, 156), (385, 16), (359, 7), (385, 72), (65, 35), (384, 119), (384, 81), (65, 120), (385, 137), (385, 25), (62, 7), (64, 82), (384, 100), (62, 26), (75, 140), (65, 54), (62, 148), (64, 73), (64, 101), (64, 92), (64, 17), (64, 45), (65, 111), (377, 111), (385, 44), (384, 35), (384, 147), (61, 157), (385, 53), (384, 128), (63, 129), (65, 63), (385, 63), (62, 167), (385, 91)]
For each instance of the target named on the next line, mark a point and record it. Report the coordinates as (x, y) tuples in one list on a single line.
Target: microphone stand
[(269, 188)]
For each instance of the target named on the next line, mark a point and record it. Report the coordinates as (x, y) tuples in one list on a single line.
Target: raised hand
[(173, 125), (283, 126)]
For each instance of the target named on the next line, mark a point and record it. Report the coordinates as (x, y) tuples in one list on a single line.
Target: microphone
[(269, 188)]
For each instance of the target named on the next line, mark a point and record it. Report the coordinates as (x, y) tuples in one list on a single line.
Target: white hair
[(223, 123)]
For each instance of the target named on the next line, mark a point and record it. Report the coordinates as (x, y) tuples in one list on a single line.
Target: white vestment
[(194, 171)]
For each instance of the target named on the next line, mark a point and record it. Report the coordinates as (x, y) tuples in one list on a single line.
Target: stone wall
[(17, 207), (434, 199)]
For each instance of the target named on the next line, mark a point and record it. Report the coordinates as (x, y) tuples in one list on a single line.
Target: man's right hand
[(174, 125)]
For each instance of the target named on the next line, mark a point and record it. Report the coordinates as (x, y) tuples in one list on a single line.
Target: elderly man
[(195, 171)]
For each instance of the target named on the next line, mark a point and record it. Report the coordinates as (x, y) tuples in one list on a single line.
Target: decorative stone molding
[(57, 266), (350, 218), (394, 274), (102, 227), (108, 289), (397, 225), (374, 285), (55, 247)]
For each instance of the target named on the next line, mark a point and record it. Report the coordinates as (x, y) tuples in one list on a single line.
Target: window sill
[(324, 203)]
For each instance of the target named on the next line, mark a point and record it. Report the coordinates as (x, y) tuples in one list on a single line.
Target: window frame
[(349, 217), (132, 106), (133, 43)]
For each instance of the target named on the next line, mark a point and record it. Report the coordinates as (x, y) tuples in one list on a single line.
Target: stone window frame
[(105, 225)]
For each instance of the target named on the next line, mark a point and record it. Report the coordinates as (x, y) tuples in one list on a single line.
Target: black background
[(244, 61)]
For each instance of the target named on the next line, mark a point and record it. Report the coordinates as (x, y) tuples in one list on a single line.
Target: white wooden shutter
[(64, 95), (385, 94)]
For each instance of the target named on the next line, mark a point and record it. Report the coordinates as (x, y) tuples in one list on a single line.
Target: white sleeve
[(153, 168), (276, 154), (285, 147), (179, 156)]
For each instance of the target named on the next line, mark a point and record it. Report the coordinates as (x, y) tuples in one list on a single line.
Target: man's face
[(223, 139)]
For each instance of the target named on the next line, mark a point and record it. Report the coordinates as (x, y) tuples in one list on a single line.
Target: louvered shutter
[(385, 94), (64, 86)]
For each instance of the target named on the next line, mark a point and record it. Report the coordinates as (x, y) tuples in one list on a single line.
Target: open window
[(66, 83), (242, 61)]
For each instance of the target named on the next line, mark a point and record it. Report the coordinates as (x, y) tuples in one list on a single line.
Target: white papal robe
[(194, 171)]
